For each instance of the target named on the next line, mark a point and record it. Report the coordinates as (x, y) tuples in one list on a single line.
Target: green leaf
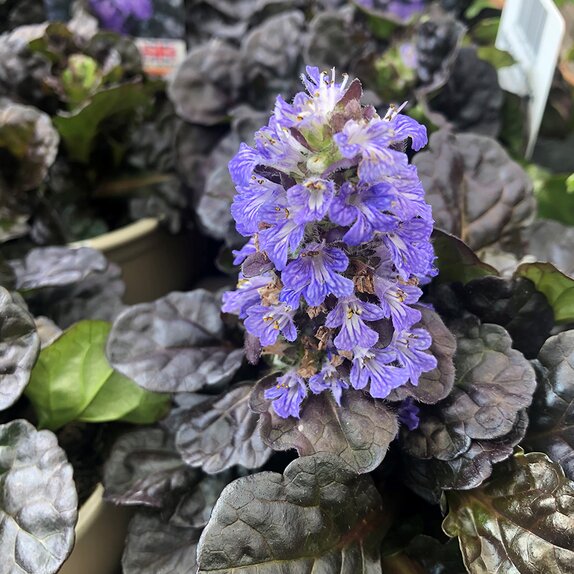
[(520, 521), (456, 261), (484, 33), (498, 58), (476, 7), (73, 381), (558, 288), (554, 194), (79, 129)]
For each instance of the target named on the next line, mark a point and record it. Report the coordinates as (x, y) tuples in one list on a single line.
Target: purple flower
[(245, 296), (330, 378), (402, 9), (409, 347), (113, 14), (312, 110), (363, 208), (371, 140), (267, 322), (287, 395), (281, 239), (315, 274), (256, 203), (409, 414), (312, 198), (375, 366), (395, 299), (240, 255), (411, 249), (350, 314)]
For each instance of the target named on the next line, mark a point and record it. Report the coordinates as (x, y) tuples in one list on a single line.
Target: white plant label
[(161, 56), (532, 31)]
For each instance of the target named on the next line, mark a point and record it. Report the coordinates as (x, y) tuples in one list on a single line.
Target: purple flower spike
[(287, 395), (339, 238)]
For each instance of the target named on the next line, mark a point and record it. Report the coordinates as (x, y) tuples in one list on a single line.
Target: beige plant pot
[(153, 261), (100, 537)]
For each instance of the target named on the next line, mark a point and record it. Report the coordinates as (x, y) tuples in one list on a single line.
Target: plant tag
[(532, 31), (161, 56)]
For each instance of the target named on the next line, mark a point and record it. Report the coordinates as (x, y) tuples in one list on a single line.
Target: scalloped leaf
[(335, 522), (556, 286), (156, 546), (514, 304), (359, 431), (494, 382), (56, 266), (477, 192), (144, 468), (73, 381), (38, 507), (222, 432), (552, 412), (19, 349), (520, 521), (467, 470), (174, 344)]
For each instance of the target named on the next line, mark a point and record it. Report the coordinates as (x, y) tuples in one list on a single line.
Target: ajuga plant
[(76, 157), (61, 402), (370, 388)]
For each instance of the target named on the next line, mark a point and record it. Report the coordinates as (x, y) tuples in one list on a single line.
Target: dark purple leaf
[(465, 471), (456, 261), (144, 468), (477, 192), (19, 348), (514, 304), (222, 432), (520, 521), (175, 344), (359, 431), (206, 84), (38, 508), (156, 546), (552, 412), (56, 266), (318, 516), (494, 382)]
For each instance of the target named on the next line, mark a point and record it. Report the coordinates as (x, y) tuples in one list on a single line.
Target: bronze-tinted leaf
[(552, 412), (359, 431), (222, 432), (38, 507), (522, 520), (477, 192), (19, 348), (318, 516), (175, 344)]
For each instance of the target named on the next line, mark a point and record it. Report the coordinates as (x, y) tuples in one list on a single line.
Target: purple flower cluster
[(113, 14), (339, 242), (402, 9)]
